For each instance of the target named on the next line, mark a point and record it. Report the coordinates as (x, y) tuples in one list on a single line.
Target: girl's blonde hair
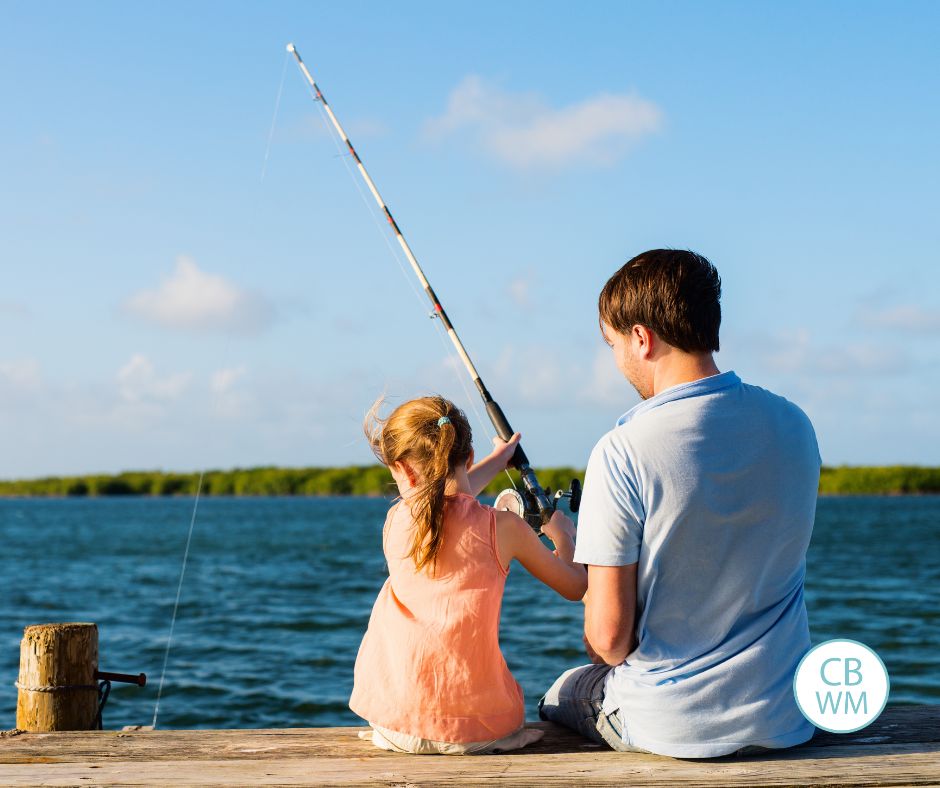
[(433, 436)]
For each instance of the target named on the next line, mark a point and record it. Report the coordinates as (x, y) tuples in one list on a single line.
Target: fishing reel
[(525, 504)]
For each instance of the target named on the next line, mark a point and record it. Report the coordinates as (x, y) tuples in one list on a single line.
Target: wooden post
[(57, 687)]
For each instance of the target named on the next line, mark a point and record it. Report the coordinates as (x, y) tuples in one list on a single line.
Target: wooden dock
[(901, 748)]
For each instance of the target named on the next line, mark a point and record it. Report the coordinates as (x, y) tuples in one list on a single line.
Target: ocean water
[(278, 591)]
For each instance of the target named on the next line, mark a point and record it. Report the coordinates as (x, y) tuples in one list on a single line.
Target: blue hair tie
[(442, 421)]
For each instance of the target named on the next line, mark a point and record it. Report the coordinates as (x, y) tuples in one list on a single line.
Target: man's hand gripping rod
[(536, 505)]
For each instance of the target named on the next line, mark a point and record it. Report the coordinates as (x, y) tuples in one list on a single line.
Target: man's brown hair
[(673, 292)]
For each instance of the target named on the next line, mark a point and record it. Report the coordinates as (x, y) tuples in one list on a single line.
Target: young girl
[(430, 677)]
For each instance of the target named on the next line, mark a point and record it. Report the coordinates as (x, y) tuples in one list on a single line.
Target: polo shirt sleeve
[(611, 517)]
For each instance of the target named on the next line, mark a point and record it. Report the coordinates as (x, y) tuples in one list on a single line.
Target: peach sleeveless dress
[(430, 665)]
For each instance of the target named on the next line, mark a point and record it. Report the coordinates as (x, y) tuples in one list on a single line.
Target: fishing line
[(192, 520), (536, 504), (176, 604), (277, 104), (223, 359), (225, 355), (396, 255)]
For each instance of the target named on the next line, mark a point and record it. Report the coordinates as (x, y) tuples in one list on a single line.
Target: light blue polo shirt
[(710, 487)]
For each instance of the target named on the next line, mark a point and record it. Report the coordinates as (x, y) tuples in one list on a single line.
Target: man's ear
[(643, 340)]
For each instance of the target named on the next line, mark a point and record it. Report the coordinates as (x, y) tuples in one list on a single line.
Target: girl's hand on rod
[(503, 450)]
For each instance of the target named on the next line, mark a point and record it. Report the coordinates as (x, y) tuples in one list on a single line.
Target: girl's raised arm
[(483, 472), (516, 539)]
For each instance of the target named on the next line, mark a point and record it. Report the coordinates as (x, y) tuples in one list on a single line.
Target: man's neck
[(678, 368)]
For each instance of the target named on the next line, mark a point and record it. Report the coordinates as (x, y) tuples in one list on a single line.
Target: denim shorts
[(576, 699)]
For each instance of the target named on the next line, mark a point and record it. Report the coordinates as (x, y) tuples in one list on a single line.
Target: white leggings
[(403, 742)]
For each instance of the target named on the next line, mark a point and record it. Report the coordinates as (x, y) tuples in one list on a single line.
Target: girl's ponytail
[(433, 436)]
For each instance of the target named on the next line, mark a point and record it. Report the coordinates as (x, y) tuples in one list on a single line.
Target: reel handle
[(573, 494), (575, 497)]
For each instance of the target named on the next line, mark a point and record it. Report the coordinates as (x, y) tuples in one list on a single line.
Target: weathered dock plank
[(883, 766), (901, 748)]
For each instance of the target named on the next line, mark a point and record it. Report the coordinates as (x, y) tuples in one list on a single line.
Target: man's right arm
[(610, 532)]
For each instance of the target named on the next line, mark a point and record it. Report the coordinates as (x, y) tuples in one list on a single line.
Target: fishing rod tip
[(290, 48)]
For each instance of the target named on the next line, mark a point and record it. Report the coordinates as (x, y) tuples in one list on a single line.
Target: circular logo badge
[(841, 685)]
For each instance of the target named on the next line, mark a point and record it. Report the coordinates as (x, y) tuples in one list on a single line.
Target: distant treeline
[(351, 480), (376, 480), (879, 480)]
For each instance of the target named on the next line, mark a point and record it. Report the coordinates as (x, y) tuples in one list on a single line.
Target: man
[(697, 513)]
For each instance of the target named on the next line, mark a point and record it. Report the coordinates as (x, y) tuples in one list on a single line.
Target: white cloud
[(530, 375), (797, 352), (191, 299), (21, 387), (366, 127), (521, 130), (20, 376), (904, 317), (606, 385), (223, 380), (229, 400), (13, 309), (519, 290), (138, 382), (859, 358)]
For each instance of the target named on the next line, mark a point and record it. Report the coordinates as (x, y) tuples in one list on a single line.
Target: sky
[(191, 278)]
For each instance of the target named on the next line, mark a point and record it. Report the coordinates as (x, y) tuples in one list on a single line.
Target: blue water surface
[(277, 594)]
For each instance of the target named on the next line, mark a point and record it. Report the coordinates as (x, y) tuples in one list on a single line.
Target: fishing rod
[(536, 504)]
